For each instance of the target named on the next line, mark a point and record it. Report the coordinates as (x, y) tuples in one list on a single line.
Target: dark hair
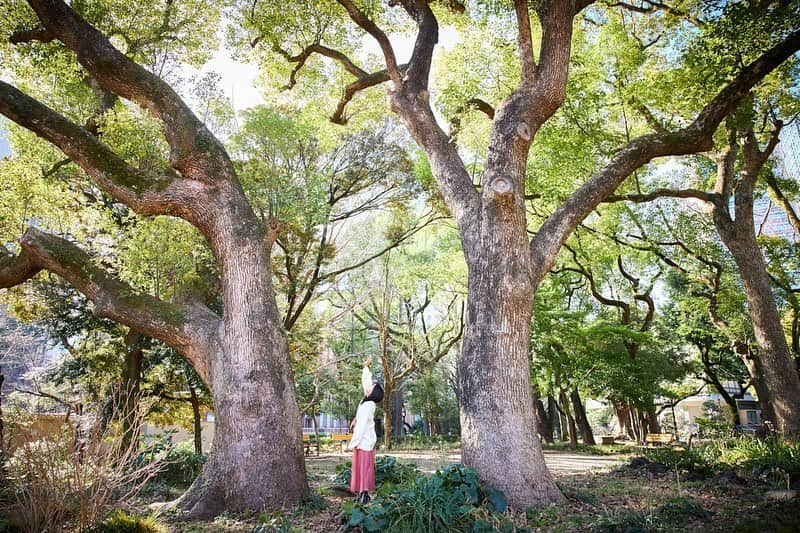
[(376, 395)]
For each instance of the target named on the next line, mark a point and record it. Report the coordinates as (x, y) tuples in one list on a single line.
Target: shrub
[(387, 472), (74, 476), (122, 522), (625, 521), (181, 465), (451, 500)]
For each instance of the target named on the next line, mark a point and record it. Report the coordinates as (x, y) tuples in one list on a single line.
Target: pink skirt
[(362, 477)]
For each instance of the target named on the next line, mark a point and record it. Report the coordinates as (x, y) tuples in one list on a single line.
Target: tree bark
[(198, 426), (571, 427), (581, 419), (779, 375), (131, 380), (544, 425)]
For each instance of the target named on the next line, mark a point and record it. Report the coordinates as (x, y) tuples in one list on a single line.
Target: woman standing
[(362, 478)]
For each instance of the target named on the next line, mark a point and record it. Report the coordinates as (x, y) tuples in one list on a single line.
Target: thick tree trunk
[(256, 459), (778, 372), (498, 427), (581, 418), (198, 427)]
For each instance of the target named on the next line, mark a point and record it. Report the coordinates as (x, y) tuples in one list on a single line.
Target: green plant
[(388, 472), (181, 465), (681, 509), (121, 522), (625, 521), (450, 500)]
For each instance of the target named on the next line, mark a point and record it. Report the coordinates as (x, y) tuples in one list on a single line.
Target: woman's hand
[(367, 361), (352, 424)]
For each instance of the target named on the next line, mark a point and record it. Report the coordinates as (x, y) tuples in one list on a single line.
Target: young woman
[(362, 478)]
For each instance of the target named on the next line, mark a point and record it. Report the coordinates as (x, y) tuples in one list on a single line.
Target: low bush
[(450, 500), (180, 465), (122, 522), (388, 472)]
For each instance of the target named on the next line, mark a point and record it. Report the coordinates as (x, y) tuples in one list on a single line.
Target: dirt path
[(560, 463)]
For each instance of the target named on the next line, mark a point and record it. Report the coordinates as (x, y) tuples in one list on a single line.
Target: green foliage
[(450, 500), (672, 514), (121, 522), (388, 473), (181, 465)]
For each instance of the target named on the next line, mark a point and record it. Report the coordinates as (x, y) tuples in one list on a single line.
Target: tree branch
[(189, 328), (527, 64), (146, 193), (696, 137), (360, 18), (663, 193), (193, 146)]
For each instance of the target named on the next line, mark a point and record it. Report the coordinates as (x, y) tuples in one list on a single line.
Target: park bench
[(658, 439), (341, 439), (309, 440)]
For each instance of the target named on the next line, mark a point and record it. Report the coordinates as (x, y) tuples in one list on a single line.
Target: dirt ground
[(560, 463)]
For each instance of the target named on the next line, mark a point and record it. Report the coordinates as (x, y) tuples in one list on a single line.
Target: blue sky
[(4, 148)]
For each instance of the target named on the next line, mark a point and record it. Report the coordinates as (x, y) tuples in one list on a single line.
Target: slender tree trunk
[(2, 432), (653, 425), (581, 418), (257, 433), (544, 426), (498, 428), (387, 415), (554, 416), (131, 379), (778, 372), (198, 427), (573, 431)]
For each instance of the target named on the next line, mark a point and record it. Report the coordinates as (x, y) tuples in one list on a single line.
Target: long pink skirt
[(362, 476)]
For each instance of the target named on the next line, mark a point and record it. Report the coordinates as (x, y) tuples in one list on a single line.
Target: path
[(560, 463)]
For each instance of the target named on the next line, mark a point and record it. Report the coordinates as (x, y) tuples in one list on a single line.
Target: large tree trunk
[(498, 427), (581, 419), (778, 372), (653, 425), (256, 459)]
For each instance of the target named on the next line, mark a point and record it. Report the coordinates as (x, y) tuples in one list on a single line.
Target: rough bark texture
[(197, 425), (242, 356), (774, 360)]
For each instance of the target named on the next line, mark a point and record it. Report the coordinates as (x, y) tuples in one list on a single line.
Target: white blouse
[(364, 437)]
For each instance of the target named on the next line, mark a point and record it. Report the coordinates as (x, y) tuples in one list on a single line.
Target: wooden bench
[(658, 439), (341, 439), (309, 440)]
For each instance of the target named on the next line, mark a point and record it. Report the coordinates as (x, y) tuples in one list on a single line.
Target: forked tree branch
[(193, 147), (189, 328), (697, 137)]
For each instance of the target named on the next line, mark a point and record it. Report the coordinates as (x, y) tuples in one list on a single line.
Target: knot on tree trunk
[(501, 188), (524, 131)]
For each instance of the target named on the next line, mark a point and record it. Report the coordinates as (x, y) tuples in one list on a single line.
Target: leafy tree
[(240, 354), (505, 265)]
